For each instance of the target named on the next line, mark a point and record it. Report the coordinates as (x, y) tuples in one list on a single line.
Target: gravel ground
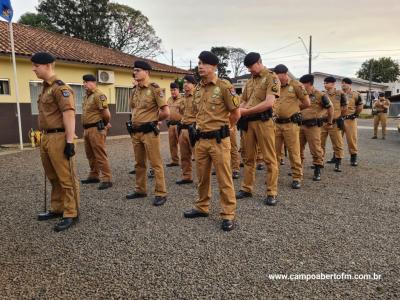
[(348, 222)]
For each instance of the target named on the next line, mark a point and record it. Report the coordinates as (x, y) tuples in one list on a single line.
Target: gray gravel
[(347, 223)]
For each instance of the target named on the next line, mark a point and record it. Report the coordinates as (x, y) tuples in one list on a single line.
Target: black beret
[(381, 94), (209, 58), (279, 69), (42, 58), (308, 78), (251, 58), (347, 80), (141, 64), (190, 78), (89, 77), (173, 85), (330, 79)]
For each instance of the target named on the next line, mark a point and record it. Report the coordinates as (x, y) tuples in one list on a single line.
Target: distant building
[(75, 58)]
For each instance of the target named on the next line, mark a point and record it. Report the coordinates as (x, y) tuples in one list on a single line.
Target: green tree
[(131, 32), (83, 19), (37, 20), (223, 55), (384, 69)]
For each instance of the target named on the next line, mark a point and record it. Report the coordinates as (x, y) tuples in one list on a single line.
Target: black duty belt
[(350, 117), (312, 122), (146, 128), (87, 126), (283, 120), (186, 126), (216, 134), (54, 130), (257, 117), (171, 123)]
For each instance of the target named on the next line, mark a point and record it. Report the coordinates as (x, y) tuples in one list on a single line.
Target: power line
[(360, 51), (284, 47)]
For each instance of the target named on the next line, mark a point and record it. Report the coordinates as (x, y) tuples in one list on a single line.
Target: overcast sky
[(338, 26)]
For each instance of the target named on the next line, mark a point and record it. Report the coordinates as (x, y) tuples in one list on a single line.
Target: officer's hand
[(243, 111), (330, 126), (69, 150), (108, 126)]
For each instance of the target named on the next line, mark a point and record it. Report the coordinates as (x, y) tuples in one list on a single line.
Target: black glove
[(69, 150)]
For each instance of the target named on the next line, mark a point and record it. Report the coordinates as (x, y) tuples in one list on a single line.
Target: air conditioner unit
[(106, 76)]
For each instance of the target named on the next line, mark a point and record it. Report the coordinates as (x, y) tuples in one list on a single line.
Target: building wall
[(70, 73)]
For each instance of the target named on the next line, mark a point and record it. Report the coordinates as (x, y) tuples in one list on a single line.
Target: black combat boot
[(337, 165), (353, 160), (333, 160), (317, 173)]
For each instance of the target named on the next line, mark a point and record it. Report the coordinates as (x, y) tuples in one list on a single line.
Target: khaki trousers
[(95, 148), (186, 154), (147, 145), (62, 175), (380, 118), (261, 134), (350, 131), (208, 152), (289, 135), (312, 136), (173, 143), (336, 138)]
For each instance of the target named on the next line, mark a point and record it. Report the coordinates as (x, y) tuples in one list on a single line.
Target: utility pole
[(172, 57), (190, 65), (308, 51), (370, 84), (310, 55)]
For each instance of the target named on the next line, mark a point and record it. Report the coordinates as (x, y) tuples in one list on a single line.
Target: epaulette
[(60, 82), (155, 85)]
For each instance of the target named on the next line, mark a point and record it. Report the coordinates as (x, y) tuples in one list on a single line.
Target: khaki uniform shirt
[(289, 102), (258, 87), (319, 103), (145, 102), (214, 101), (381, 106), (93, 105), (56, 97), (354, 99), (339, 100), (187, 109), (174, 105)]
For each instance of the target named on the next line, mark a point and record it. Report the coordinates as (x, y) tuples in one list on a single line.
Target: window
[(35, 88), (79, 93), (398, 91), (4, 87), (122, 96)]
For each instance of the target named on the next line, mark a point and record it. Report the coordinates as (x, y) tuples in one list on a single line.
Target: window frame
[(116, 99), (9, 86)]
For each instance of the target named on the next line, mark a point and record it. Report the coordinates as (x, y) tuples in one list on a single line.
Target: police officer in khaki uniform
[(217, 105), (173, 122), (381, 109), (96, 121), (339, 101), (257, 125), (310, 130), (287, 108), (354, 108), (148, 107), (187, 129), (57, 121)]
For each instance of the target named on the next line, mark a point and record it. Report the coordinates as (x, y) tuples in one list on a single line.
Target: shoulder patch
[(161, 94), (103, 98), (155, 85), (65, 93)]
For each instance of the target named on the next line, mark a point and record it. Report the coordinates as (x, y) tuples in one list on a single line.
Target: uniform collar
[(51, 80), (174, 99), (91, 92), (213, 81), (287, 84), (145, 84), (263, 72)]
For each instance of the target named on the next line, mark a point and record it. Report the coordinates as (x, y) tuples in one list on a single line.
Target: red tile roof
[(29, 40)]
